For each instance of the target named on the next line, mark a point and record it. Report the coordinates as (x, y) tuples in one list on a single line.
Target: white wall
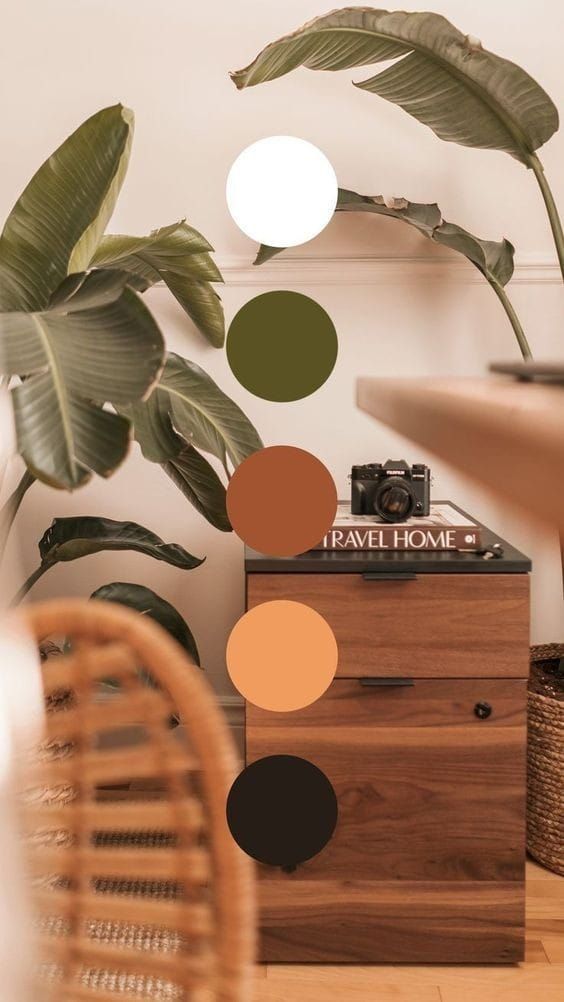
[(406, 311)]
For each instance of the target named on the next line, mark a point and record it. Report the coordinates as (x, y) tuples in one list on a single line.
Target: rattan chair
[(140, 890)]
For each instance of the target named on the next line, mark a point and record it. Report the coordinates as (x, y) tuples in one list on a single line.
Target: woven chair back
[(139, 889)]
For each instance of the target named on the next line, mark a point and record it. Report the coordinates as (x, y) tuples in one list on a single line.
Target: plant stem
[(11, 508), (27, 585), (555, 224), (513, 319)]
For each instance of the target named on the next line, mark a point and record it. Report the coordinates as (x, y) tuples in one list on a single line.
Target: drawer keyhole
[(483, 710)]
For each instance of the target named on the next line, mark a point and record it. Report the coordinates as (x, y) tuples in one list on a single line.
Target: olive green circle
[(282, 346)]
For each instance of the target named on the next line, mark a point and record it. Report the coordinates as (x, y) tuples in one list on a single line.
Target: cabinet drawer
[(391, 923), (427, 860), (436, 625), (426, 789)]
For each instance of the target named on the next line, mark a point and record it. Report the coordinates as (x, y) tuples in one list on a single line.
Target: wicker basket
[(545, 767)]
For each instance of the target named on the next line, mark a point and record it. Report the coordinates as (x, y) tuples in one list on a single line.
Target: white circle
[(281, 191)]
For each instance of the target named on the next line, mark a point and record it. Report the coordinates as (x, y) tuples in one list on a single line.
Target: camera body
[(392, 490)]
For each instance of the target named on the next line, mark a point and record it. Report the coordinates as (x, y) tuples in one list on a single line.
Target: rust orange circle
[(281, 501), (282, 655)]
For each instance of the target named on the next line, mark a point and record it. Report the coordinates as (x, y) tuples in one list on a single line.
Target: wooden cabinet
[(430, 795), (427, 860), (425, 626)]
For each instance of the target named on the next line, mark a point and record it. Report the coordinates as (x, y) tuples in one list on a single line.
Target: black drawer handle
[(483, 710), (384, 682), (391, 576)]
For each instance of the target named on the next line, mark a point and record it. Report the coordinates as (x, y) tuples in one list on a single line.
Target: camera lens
[(394, 500)]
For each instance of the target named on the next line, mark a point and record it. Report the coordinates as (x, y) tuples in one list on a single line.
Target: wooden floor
[(539, 979)]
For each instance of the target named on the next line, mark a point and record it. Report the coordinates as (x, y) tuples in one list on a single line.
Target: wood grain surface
[(502, 433), (539, 979), (392, 921), (430, 702), (431, 800), (436, 626)]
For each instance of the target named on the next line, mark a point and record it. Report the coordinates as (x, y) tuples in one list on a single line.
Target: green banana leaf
[(57, 222), (78, 536), (179, 256), (266, 252), (441, 77), (202, 304), (97, 342), (188, 401), (425, 217), (200, 484), (186, 467), (495, 259), (153, 428), (148, 603), (71, 538)]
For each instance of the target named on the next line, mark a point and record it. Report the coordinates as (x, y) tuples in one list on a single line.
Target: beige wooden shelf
[(506, 434)]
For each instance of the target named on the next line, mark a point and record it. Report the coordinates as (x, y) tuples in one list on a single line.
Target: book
[(445, 528)]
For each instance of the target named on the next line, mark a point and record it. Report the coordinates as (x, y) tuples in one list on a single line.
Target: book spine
[(396, 537)]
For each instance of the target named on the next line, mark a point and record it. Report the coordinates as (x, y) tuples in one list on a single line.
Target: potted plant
[(86, 366), (468, 95)]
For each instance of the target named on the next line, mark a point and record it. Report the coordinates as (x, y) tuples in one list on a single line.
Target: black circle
[(394, 500), (483, 710), (282, 810)]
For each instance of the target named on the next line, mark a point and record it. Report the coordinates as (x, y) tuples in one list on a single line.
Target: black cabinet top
[(394, 562)]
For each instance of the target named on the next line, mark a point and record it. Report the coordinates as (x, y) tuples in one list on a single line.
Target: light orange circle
[(282, 655)]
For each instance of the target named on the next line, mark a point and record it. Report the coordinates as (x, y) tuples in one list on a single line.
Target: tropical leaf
[(153, 429), (58, 220), (179, 256), (71, 538), (200, 484), (147, 603), (425, 217), (202, 304), (444, 79), (187, 406), (185, 466), (187, 400), (493, 258), (84, 290), (98, 342), (161, 246), (203, 414), (265, 253)]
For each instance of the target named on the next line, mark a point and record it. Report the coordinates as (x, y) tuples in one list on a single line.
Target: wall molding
[(234, 709), (293, 270), (281, 272)]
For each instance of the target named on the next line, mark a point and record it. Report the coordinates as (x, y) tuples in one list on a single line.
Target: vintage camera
[(392, 490)]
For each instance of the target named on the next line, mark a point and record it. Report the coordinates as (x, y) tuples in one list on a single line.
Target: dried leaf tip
[(472, 44), (395, 202)]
